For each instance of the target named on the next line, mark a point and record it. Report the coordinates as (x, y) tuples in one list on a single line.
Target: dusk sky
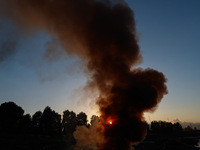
[(169, 40)]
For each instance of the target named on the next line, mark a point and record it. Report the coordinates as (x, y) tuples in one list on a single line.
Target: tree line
[(48, 130), (13, 121)]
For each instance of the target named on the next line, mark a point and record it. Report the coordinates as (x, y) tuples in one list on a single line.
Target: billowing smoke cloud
[(102, 33)]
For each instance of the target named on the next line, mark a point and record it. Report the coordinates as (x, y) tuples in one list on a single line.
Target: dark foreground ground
[(183, 141), (33, 142)]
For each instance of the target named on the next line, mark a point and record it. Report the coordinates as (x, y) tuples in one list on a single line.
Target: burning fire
[(111, 121)]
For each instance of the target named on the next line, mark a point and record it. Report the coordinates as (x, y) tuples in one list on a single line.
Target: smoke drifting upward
[(102, 33)]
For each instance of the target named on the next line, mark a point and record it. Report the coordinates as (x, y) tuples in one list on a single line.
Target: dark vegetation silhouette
[(48, 130), (10, 117), (164, 135)]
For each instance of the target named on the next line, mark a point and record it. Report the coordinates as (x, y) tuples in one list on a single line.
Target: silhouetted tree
[(10, 116), (69, 125), (155, 127), (57, 123), (177, 128), (81, 119), (94, 119), (25, 124), (188, 128), (50, 122), (165, 127), (36, 127), (69, 121)]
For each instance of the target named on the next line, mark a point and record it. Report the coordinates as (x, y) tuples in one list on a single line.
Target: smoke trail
[(103, 34)]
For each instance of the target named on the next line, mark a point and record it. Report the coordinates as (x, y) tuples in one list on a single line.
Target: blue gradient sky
[(169, 38)]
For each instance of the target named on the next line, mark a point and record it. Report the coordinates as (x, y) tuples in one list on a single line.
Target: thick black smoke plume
[(102, 33)]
